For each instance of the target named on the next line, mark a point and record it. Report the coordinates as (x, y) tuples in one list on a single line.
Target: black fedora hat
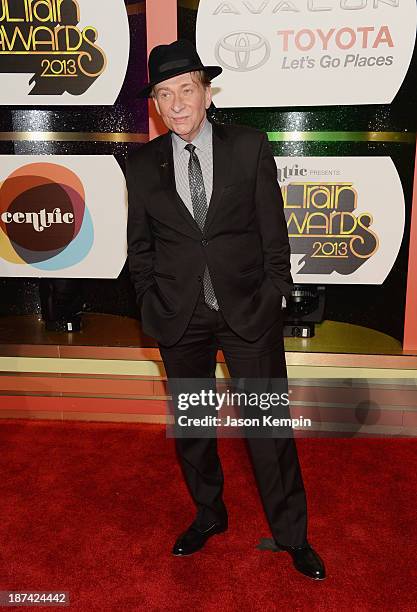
[(167, 61)]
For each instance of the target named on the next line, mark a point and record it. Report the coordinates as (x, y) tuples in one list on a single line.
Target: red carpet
[(94, 509)]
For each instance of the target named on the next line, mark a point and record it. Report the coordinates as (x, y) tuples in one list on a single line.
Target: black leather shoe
[(194, 539), (306, 561)]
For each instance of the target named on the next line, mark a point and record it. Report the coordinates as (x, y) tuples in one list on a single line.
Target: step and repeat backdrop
[(69, 76), (333, 83)]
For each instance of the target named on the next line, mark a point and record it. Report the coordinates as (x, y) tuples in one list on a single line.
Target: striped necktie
[(199, 202)]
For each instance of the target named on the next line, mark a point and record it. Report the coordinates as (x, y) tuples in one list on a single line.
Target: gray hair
[(201, 77)]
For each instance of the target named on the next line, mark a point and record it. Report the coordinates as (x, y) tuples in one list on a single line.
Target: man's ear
[(155, 101), (208, 96)]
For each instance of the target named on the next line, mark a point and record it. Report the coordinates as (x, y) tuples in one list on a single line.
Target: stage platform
[(349, 380)]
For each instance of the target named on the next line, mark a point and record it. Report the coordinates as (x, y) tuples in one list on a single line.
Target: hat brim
[(211, 71)]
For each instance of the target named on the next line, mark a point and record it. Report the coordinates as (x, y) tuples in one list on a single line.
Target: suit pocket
[(252, 269), (274, 287), (161, 275), (239, 185)]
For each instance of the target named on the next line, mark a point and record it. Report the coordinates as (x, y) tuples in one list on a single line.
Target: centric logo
[(242, 51), (44, 221)]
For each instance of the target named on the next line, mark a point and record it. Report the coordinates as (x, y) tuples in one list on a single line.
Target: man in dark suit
[(210, 260)]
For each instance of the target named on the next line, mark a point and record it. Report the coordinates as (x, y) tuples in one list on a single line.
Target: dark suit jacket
[(244, 243)]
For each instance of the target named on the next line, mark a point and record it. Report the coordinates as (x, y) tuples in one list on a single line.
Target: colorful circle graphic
[(44, 221)]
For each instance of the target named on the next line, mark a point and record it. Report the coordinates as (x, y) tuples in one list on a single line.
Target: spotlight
[(60, 304), (305, 308)]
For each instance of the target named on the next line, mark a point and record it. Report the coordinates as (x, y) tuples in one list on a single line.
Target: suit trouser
[(275, 460)]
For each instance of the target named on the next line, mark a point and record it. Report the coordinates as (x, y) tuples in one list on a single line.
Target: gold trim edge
[(33, 136), (74, 136)]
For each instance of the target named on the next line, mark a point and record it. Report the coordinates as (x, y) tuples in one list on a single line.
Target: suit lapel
[(222, 155), (167, 174), (221, 164)]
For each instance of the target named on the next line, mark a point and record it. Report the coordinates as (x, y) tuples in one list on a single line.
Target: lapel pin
[(164, 165)]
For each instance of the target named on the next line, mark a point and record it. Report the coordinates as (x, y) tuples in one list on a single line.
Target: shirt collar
[(201, 142)]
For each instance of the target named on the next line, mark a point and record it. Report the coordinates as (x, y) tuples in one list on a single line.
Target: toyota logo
[(242, 51)]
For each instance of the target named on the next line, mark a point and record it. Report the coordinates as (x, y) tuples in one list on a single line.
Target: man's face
[(182, 102)]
